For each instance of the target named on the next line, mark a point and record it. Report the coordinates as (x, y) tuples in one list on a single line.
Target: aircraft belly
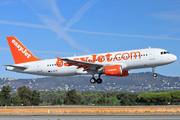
[(135, 64), (62, 71)]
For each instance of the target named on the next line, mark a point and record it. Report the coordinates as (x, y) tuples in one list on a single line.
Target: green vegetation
[(5, 96), (25, 94), (115, 98), (169, 97), (35, 98), (57, 101), (26, 97), (72, 98), (16, 101)]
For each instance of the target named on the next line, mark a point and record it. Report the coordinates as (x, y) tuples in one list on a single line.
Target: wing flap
[(76, 62), (82, 64)]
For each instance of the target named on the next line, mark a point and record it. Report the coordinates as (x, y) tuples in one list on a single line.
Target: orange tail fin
[(19, 52)]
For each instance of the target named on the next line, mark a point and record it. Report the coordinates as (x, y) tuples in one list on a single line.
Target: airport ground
[(90, 117), (88, 110)]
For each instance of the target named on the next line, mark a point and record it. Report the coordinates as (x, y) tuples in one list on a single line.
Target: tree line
[(24, 96), (27, 97), (73, 97), (159, 98)]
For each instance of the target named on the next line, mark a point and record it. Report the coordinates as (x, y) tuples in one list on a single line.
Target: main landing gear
[(154, 74), (93, 80)]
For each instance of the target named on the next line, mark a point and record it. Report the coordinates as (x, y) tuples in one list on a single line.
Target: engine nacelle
[(114, 70)]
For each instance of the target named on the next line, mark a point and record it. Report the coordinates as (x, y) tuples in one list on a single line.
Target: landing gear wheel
[(154, 75), (93, 80), (99, 80)]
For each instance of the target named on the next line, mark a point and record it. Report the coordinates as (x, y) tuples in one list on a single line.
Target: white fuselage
[(133, 59)]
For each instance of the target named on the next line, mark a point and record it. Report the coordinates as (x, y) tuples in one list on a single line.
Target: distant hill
[(135, 82)]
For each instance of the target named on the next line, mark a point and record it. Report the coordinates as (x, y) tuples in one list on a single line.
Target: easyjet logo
[(102, 58), (21, 49), (112, 69)]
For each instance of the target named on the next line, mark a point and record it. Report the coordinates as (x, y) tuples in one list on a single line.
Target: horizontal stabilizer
[(15, 66)]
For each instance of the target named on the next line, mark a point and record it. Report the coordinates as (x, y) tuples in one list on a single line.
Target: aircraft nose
[(173, 58)]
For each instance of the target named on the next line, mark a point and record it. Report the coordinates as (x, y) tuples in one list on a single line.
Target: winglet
[(19, 52)]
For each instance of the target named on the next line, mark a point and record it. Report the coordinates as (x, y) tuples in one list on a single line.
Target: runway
[(90, 117)]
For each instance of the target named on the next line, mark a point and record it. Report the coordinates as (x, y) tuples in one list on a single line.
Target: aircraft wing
[(81, 64)]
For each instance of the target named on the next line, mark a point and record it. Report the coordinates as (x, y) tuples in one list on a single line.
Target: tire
[(154, 75), (99, 80), (92, 80)]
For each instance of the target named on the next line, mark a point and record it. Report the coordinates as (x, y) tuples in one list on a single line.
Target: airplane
[(111, 64)]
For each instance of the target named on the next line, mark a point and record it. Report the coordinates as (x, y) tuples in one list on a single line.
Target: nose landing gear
[(154, 74)]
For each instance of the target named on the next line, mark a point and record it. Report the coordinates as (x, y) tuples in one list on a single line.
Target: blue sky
[(50, 28)]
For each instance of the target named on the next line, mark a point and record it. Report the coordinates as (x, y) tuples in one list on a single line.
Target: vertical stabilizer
[(19, 52)]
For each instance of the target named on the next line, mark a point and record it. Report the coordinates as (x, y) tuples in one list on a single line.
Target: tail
[(19, 52)]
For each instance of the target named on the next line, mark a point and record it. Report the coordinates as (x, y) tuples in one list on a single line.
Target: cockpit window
[(164, 52)]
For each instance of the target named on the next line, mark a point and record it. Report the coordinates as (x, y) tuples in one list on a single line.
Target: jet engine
[(114, 70)]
